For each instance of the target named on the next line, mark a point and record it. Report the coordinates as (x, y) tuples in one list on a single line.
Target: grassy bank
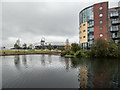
[(22, 52)]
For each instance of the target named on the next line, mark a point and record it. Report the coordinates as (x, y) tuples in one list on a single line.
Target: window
[(101, 28), (80, 32), (83, 30), (101, 21), (101, 35), (100, 8), (100, 15), (80, 26), (80, 37), (83, 36), (83, 24)]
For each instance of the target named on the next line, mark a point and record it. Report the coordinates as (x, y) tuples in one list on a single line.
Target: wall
[(83, 40), (97, 25)]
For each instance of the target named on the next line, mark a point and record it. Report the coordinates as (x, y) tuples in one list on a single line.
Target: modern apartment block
[(114, 24), (94, 23)]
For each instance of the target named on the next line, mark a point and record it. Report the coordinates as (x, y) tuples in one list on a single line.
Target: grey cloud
[(32, 19)]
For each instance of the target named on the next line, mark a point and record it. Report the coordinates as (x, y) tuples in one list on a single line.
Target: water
[(52, 71)]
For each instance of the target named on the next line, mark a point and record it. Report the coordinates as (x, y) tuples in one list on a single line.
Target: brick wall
[(97, 25)]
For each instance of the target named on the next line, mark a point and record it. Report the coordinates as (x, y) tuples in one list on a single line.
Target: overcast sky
[(30, 21)]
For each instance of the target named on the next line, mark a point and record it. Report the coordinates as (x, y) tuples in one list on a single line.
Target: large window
[(86, 15)]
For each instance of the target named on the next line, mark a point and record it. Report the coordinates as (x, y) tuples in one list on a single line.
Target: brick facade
[(97, 19)]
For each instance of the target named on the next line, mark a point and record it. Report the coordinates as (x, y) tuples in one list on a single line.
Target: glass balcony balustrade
[(114, 28), (115, 35), (114, 14), (116, 21)]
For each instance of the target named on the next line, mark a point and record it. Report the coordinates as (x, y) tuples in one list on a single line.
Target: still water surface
[(52, 71)]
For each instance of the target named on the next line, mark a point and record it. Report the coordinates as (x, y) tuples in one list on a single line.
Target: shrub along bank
[(101, 48)]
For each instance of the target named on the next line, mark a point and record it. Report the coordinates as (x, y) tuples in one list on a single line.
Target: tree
[(49, 47), (113, 50), (100, 48), (24, 46), (16, 46), (75, 47)]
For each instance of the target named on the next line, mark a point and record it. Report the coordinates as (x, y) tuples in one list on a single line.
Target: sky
[(30, 20)]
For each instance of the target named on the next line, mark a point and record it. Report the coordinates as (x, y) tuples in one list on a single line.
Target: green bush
[(75, 47), (102, 48), (78, 54), (113, 50), (65, 52)]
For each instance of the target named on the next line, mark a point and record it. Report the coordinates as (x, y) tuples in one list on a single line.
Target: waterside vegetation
[(101, 48)]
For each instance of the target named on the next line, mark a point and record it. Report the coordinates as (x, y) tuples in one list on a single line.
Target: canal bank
[(26, 52)]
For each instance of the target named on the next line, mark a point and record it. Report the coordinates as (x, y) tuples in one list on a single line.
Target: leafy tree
[(24, 46), (49, 47), (100, 48), (75, 47), (113, 50), (16, 46)]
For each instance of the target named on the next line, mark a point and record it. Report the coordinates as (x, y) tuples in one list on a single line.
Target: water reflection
[(43, 59), (97, 73), (82, 78), (67, 64), (17, 61), (50, 59), (24, 60), (46, 70)]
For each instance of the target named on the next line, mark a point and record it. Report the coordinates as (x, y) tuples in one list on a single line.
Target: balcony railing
[(114, 29), (115, 14), (115, 36), (116, 22)]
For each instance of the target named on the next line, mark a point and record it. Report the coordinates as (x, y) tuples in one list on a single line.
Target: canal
[(52, 71)]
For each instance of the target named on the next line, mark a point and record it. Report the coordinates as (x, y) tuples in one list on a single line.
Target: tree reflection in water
[(50, 59), (24, 60), (67, 64), (97, 73), (43, 59), (17, 61)]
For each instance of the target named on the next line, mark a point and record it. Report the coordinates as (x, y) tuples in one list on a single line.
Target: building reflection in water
[(17, 61), (106, 74), (83, 76), (43, 59), (97, 73), (24, 61)]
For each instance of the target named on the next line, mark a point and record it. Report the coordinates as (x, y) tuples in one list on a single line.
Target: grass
[(22, 52)]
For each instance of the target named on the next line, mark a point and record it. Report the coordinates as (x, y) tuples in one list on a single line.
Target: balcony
[(116, 36), (114, 29), (114, 14), (116, 22)]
